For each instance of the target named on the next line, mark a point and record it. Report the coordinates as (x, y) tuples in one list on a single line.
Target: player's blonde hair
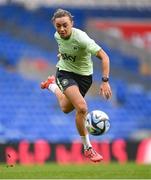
[(61, 13)]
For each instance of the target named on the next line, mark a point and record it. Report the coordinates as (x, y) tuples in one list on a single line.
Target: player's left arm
[(105, 89)]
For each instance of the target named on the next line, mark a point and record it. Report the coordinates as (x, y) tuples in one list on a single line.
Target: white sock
[(86, 141), (52, 87)]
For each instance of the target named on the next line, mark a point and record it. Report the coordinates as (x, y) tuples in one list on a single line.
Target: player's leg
[(71, 99), (80, 106), (79, 103), (65, 105), (50, 84)]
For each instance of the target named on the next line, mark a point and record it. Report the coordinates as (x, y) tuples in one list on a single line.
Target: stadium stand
[(26, 112)]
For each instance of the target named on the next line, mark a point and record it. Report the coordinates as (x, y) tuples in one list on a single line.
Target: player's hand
[(105, 90)]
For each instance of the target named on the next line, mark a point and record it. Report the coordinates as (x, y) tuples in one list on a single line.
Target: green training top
[(76, 52)]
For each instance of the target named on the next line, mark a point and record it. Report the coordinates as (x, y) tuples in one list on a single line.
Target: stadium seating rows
[(29, 113), (15, 49)]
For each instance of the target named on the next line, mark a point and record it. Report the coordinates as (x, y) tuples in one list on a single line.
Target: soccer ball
[(97, 122)]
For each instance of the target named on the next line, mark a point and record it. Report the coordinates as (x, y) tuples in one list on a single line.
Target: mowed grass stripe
[(85, 171)]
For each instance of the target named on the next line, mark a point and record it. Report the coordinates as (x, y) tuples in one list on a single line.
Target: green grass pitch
[(85, 171)]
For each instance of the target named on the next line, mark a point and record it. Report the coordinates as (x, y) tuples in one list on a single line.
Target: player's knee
[(82, 108), (66, 110)]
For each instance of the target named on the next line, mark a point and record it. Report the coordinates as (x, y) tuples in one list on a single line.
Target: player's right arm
[(56, 38), (59, 56)]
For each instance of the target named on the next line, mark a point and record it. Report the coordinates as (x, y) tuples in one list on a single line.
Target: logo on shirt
[(68, 57), (75, 48)]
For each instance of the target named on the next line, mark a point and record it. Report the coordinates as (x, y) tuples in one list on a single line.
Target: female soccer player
[(74, 73)]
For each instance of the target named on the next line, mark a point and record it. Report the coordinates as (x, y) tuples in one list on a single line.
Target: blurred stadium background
[(32, 127)]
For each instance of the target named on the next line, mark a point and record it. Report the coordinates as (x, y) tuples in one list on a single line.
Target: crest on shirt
[(75, 48)]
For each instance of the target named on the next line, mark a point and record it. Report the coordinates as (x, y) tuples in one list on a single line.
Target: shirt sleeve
[(56, 36), (90, 45)]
